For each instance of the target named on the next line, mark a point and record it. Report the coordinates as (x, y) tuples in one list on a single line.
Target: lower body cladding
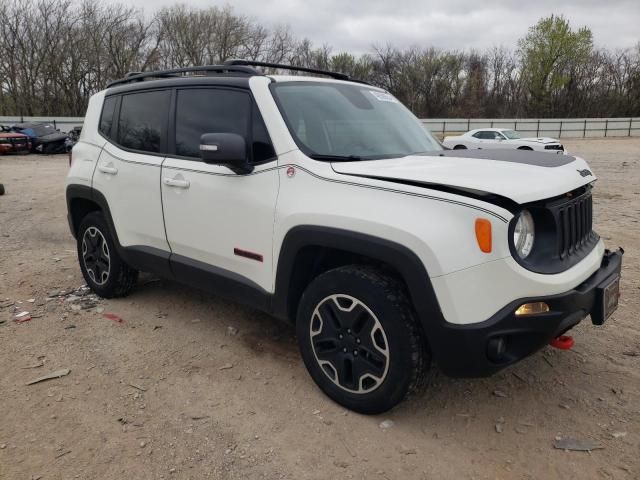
[(481, 349)]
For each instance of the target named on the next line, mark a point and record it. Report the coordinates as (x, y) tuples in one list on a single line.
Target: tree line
[(54, 54)]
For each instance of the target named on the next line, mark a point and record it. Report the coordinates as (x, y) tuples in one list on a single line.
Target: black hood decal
[(527, 157), (488, 197)]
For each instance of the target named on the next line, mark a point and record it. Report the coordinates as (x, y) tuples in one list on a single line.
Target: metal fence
[(63, 124), (542, 127), (538, 127)]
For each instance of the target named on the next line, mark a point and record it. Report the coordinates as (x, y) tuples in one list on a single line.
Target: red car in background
[(12, 142)]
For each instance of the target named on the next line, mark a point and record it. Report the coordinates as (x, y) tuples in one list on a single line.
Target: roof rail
[(252, 63), (243, 67), (178, 72)]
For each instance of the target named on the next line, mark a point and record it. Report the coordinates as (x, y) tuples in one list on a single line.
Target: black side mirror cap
[(228, 149)]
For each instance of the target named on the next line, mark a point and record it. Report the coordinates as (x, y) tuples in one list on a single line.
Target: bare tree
[(55, 54)]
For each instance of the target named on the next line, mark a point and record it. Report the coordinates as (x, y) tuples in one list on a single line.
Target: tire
[(1, 189), (525, 148), (103, 269), (372, 319), (459, 147)]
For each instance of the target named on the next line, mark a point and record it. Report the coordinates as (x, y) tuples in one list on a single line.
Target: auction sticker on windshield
[(383, 96)]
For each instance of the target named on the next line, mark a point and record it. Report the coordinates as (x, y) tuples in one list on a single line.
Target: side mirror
[(229, 149)]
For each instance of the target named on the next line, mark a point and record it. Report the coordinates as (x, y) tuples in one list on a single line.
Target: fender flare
[(401, 258), (74, 192), (141, 257)]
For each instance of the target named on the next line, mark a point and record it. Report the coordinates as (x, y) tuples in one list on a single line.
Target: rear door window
[(142, 124), (485, 135)]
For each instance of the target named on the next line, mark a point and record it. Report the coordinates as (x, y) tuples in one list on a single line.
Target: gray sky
[(355, 25)]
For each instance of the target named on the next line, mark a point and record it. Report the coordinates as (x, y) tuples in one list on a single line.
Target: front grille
[(564, 232), (574, 220), (553, 147)]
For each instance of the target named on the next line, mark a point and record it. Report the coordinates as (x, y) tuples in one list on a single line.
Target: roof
[(490, 129), (304, 78)]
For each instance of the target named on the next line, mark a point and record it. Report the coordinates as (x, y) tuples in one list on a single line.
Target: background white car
[(491, 138)]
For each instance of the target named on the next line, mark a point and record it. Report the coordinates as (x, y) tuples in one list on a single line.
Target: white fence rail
[(535, 127), (542, 127)]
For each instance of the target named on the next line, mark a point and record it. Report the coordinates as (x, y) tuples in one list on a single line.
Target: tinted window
[(262, 148), (201, 111), (143, 120), (106, 120), (487, 135)]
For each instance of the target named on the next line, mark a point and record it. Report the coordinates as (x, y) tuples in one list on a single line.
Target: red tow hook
[(563, 342)]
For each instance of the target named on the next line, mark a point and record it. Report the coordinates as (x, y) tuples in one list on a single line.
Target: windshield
[(335, 121), (511, 134)]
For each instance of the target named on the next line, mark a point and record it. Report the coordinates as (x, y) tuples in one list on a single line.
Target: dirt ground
[(190, 386)]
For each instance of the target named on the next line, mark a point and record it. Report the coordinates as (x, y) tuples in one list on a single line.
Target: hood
[(520, 176), (544, 140)]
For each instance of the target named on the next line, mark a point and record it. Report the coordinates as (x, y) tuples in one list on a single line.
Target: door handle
[(108, 170), (172, 182)]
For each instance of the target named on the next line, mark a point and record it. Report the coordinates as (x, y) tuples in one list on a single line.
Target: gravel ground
[(192, 386)]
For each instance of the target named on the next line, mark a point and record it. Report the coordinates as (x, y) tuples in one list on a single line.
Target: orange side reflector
[(483, 234)]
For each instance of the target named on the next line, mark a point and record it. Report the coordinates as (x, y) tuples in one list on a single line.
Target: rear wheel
[(525, 148), (459, 147), (103, 269), (359, 339)]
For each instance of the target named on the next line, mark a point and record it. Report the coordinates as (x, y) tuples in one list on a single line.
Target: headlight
[(524, 234)]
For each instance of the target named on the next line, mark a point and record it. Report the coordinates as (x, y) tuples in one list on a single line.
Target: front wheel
[(359, 339), (103, 269), (460, 147)]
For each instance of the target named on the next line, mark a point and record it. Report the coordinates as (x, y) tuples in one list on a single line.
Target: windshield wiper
[(335, 158)]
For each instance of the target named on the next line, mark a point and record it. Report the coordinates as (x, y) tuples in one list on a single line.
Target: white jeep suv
[(324, 202)]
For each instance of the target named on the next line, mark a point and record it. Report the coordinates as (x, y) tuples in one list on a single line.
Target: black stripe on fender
[(246, 254)]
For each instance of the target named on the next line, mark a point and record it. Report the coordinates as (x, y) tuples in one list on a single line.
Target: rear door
[(217, 221), (128, 170)]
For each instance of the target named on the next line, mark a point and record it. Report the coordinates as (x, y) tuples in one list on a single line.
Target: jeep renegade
[(324, 202)]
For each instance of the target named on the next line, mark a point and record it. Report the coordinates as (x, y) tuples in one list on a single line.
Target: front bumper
[(467, 350)]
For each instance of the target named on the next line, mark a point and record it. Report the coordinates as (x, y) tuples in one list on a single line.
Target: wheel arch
[(308, 251), (82, 200)]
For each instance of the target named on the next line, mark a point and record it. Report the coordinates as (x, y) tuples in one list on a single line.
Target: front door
[(220, 224)]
